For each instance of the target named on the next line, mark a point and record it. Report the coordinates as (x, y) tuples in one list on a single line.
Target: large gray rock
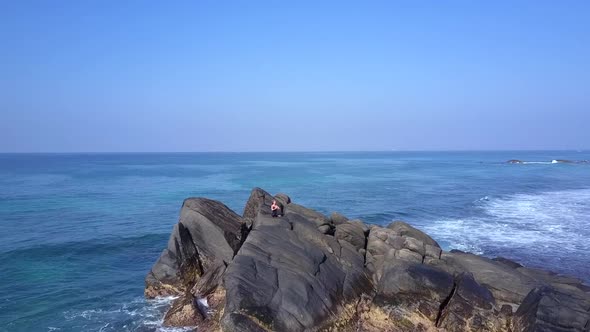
[(337, 219), (288, 276), (399, 242), (506, 284), (309, 214), (549, 309), (351, 233), (283, 198), (401, 228), (259, 202), (207, 231), (470, 307), (414, 286)]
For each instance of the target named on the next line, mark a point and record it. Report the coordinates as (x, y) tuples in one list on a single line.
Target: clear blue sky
[(308, 76)]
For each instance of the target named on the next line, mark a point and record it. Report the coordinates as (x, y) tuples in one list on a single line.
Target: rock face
[(208, 233), (308, 272)]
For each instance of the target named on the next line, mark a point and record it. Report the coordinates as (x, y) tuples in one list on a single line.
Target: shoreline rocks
[(308, 272)]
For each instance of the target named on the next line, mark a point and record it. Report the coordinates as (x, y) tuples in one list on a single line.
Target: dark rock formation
[(183, 312), (351, 233), (307, 272), (208, 231), (338, 219), (283, 198), (288, 276), (554, 309)]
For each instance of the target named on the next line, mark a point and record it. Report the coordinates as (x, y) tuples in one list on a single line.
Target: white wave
[(538, 222), (203, 302), (142, 312), (539, 162)]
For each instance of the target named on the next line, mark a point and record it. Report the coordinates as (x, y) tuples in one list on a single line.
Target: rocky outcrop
[(207, 232), (308, 272), (554, 309)]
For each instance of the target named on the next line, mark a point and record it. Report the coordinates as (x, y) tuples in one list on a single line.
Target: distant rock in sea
[(554, 161), (309, 272)]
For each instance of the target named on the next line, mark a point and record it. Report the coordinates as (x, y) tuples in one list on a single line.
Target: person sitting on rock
[(277, 209)]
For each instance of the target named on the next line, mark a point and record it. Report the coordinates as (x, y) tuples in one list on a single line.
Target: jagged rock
[(309, 214), (399, 241), (415, 286), (283, 198), (259, 201), (207, 231), (366, 228), (548, 309), (337, 219), (289, 277), (550, 278), (183, 312), (306, 272), (210, 280), (506, 284), (326, 229), (507, 262), (351, 233), (470, 307), (401, 228)]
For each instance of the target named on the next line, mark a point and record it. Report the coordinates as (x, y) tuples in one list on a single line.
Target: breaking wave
[(548, 227), (138, 315)]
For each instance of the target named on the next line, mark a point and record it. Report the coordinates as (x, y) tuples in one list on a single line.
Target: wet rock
[(183, 312)]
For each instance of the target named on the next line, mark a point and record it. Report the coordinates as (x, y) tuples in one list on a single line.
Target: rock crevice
[(443, 305)]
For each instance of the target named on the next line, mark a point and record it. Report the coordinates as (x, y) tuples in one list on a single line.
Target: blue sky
[(140, 76)]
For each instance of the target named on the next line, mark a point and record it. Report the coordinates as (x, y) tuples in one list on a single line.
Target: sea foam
[(553, 225)]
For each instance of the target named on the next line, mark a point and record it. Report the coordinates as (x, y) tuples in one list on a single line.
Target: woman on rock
[(277, 210)]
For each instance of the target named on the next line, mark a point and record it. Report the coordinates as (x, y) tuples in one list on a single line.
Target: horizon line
[(295, 151)]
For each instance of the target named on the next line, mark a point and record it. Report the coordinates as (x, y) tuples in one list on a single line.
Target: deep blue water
[(78, 232)]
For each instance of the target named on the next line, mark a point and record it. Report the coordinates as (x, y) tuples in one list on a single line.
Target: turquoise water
[(78, 232)]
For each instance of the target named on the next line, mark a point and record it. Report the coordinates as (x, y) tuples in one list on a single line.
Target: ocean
[(79, 232)]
